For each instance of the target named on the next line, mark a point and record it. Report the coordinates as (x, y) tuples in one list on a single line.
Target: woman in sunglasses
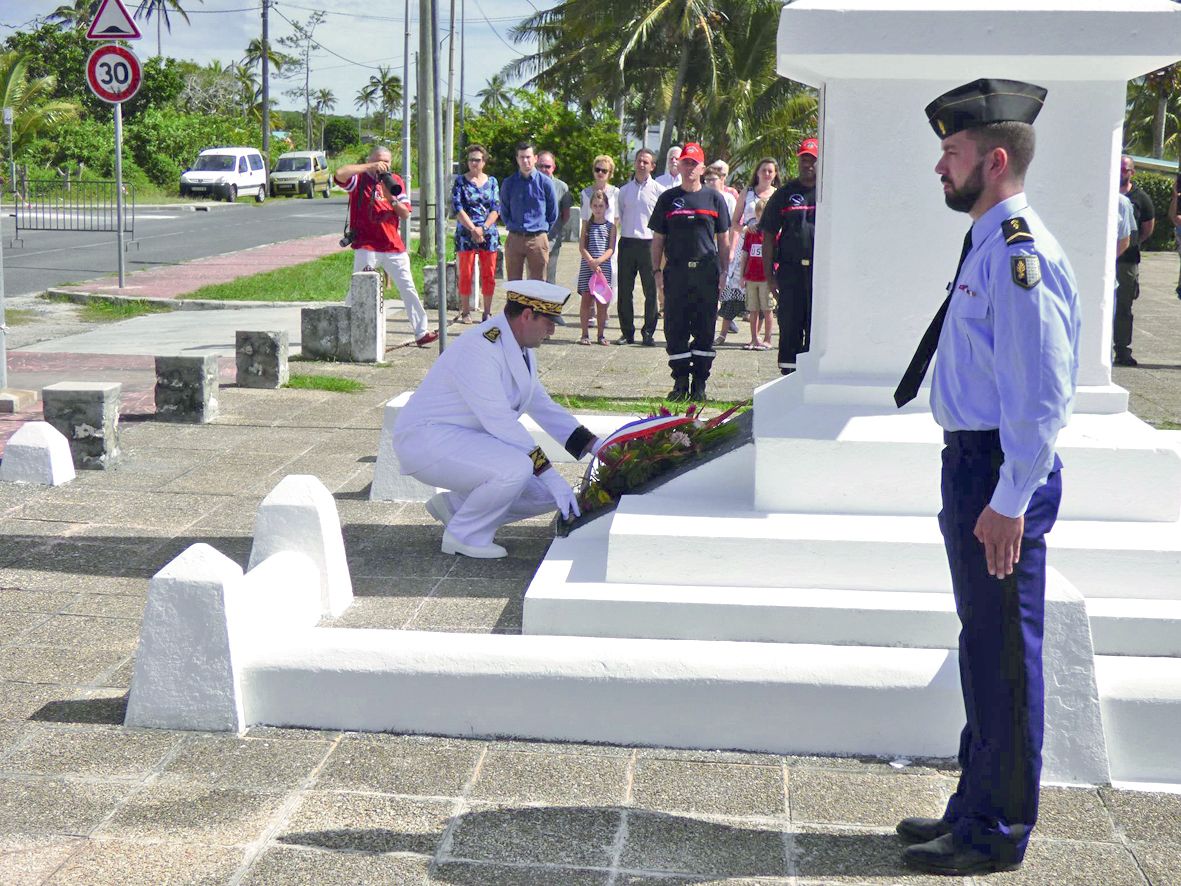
[(603, 168), (475, 199)]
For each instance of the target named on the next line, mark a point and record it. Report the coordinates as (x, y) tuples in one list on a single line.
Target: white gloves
[(563, 494)]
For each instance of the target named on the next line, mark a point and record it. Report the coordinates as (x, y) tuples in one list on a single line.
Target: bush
[(1159, 189), (339, 134), (165, 142)]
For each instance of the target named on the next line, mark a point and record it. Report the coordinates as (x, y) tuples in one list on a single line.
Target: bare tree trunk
[(1158, 123), (674, 104)]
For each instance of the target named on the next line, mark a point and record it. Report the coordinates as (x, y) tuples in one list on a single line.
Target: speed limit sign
[(113, 73)]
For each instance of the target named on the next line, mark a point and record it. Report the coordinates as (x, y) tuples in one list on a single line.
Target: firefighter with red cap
[(790, 221)]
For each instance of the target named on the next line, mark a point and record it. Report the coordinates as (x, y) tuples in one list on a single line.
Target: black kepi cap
[(985, 101)]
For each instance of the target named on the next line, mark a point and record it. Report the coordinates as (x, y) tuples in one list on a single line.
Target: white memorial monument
[(793, 594)]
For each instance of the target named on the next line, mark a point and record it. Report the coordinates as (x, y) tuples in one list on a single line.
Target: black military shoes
[(943, 856), (697, 393), (680, 391), (922, 830)]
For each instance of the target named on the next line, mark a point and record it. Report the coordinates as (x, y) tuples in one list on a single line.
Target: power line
[(318, 45), (511, 48)]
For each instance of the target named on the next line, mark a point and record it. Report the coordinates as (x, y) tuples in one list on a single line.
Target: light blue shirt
[(1127, 218), (528, 205), (1008, 352)]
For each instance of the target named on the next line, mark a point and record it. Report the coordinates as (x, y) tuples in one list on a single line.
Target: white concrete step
[(1116, 467), (1141, 703), (660, 541), (567, 598)]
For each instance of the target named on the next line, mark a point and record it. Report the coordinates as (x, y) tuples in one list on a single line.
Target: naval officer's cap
[(544, 298), (985, 101)]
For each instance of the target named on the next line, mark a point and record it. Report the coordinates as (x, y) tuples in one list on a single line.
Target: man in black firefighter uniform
[(690, 226), (790, 220)]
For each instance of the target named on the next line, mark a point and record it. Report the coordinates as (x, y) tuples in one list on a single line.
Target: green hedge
[(1159, 188)]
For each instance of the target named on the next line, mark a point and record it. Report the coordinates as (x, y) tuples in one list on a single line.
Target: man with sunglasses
[(691, 228), (548, 164)]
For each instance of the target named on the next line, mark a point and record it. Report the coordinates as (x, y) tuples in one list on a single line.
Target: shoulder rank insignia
[(1027, 271), (1015, 230), (493, 334)]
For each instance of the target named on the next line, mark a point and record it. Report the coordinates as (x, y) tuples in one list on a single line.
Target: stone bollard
[(186, 388), (37, 453), (261, 359), (500, 263), (430, 295), (326, 333), (87, 413), (366, 317)]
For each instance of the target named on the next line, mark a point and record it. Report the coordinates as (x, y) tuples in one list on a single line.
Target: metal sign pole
[(119, 186), (440, 235), (3, 327)]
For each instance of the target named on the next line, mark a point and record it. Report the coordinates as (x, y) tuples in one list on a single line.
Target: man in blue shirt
[(1003, 387), (528, 208)]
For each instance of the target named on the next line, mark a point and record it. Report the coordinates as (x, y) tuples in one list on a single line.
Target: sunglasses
[(601, 170), (545, 166), (475, 159)]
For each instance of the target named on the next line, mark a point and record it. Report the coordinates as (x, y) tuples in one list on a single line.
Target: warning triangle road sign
[(113, 23)]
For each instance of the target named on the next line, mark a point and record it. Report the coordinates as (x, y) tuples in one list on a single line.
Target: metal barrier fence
[(64, 205)]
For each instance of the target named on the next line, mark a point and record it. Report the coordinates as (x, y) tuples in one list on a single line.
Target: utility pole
[(462, 67), (406, 112), (266, 84), (449, 153), (440, 236), (426, 129)]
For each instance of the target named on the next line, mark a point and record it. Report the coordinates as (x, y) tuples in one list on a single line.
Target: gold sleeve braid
[(540, 462)]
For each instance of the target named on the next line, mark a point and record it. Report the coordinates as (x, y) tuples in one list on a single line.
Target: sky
[(356, 37)]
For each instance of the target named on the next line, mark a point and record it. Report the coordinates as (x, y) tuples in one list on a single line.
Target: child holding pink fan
[(596, 245)]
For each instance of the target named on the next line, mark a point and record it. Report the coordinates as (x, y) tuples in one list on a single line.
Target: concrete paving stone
[(39, 602), (120, 678), (945, 766), (838, 856), (134, 864), (543, 835), (477, 615), (235, 516), (628, 879), (73, 705), (1145, 817), (360, 512), (560, 747), (158, 511), (171, 811), (359, 440), (13, 527), (19, 700), (1160, 863), (46, 664), (121, 557), (520, 564), (709, 788), (15, 625), (458, 873), (283, 733), (90, 751), (113, 533), (217, 437), (50, 805), (552, 778), (332, 472), (389, 613), (82, 631), (71, 584), (415, 557), (296, 866), (229, 761), (1071, 863), (126, 606), (11, 735), (1073, 814), (863, 799), (710, 756), (236, 547), (409, 586), (358, 483), (366, 822), (28, 859), (224, 480), (397, 764), (706, 847)]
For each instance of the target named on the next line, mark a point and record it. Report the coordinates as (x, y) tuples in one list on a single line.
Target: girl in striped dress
[(596, 246)]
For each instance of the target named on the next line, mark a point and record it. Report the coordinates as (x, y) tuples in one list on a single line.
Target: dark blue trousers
[(995, 805)]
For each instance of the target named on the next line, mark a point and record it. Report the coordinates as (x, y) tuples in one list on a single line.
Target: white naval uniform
[(460, 431)]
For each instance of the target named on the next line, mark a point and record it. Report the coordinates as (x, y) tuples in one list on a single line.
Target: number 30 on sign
[(113, 73)]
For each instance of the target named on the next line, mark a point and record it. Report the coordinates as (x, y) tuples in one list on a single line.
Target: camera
[(347, 239), (392, 186)]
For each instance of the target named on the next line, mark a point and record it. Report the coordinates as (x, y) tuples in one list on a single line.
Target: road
[(165, 234)]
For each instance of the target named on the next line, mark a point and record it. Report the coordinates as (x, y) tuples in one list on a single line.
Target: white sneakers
[(439, 507), (452, 545)]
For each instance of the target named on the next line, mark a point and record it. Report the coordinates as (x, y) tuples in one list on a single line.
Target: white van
[(224, 173), (301, 173)]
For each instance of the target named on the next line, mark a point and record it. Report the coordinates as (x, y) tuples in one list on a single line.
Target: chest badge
[(1027, 271), (493, 334)]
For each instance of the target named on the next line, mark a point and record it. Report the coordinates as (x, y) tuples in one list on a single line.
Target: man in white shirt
[(635, 202), (672, 178)]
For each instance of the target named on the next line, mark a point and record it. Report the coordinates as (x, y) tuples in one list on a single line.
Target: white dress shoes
[(439, 507), (451, 545)]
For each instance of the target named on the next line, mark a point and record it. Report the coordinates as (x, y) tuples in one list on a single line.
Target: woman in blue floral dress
[(475, 199)]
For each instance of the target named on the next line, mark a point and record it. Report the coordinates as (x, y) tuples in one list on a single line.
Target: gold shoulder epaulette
[(1016, 230), (493, 334)]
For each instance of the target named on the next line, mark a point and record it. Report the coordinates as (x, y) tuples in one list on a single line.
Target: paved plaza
[(84, 800)]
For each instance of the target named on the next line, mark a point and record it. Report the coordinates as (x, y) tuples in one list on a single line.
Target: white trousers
[(489, 484), (397, 265)]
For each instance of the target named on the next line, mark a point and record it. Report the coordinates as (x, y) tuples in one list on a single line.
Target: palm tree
[(33, 108), (495, 97), (387, 88), (363, 102), (324, 101), (147, 8), (276, 59), (78, 14)]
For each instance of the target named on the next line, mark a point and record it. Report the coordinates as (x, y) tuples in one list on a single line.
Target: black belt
[(972, 441), (701, 262), (623, 240), (527, 233)]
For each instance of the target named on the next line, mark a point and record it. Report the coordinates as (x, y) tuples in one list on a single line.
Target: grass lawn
[(311, 382), (323, 279), (106, 312), (19, 316)]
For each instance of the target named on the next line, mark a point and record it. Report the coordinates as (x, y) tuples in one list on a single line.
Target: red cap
[(692, 151), (809, 146)]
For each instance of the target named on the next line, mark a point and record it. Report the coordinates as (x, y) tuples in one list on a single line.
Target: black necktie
[(912, 379)]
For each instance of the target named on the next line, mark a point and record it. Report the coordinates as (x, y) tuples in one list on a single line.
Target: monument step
[(651, 540), (563, 599), (1116, 467)]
